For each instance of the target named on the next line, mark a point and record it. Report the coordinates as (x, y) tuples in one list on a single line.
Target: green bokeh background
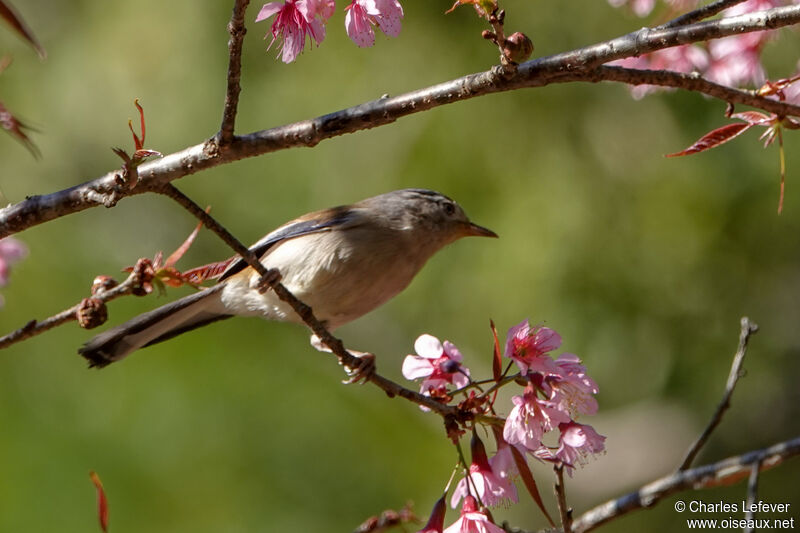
[(643, 264)]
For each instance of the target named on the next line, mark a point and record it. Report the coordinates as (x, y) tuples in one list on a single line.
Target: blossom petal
[(452, 352), (358, 28), (547, 340), (390, 15), (428, 346), (268, 10), (416, 367)]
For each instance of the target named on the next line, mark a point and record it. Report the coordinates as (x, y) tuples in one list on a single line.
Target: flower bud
[(518, 47), (91, 313), (103, 283)]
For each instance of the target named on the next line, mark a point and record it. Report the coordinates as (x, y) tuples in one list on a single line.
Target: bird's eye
[(449, 209)]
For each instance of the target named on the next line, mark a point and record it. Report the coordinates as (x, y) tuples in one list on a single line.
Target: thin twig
[(748, 329), (237, 30), (724, 472), (752, 493), (37, 327), (699, 14), (576, 65), (305, 312), (561, 497)]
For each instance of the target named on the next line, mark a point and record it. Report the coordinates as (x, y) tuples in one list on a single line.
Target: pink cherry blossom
[(502, 462), (685, 58), (323, 9), (472, 520), (736, 60), (576, 442), (527, 346), (363, 14), (440, 365), (11, 251), (531, 418), (792, 92), (572, 389), (295, 21), (492, 487), (642, 8)]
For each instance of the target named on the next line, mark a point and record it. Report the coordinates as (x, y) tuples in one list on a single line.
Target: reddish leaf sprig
[(140, 154), (773, 123), (162, 273), (8, 14), (102, 501), (15, 127)]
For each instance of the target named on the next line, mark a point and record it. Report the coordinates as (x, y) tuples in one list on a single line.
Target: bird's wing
[(315, 222)]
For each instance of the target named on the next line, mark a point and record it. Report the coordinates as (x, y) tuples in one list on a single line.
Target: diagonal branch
[(237, 30), (726, 471), (576, 65), (748, 329), (303, 311)]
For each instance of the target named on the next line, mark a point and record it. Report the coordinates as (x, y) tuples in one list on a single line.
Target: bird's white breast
[(340, 274)]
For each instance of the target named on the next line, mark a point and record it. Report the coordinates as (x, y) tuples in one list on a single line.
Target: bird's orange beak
[(474, 230)]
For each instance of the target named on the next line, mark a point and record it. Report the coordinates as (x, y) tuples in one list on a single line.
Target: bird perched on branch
[(343, 262)]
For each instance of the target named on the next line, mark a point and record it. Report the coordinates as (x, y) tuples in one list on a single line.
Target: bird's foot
[(363, 369), (266, 281)]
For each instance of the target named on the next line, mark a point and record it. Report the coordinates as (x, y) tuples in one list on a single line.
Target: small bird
[(343, 262)]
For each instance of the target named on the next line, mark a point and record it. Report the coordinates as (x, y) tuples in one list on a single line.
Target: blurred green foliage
[(643, 264)]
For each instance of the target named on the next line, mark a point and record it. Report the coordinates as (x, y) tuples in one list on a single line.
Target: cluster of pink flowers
[(731, 61), (11, 251), (298, 20), (556, 393)]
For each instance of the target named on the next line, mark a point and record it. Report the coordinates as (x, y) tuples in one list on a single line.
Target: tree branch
[(576, 65), (748, 329), (752, 491), (692, 82), (701, 13), (237, 30), (561, 497), (726, 471), (305, 312), (99, 298)]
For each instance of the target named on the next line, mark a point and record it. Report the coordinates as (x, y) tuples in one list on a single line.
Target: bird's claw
[(364, 370), (266, 281)]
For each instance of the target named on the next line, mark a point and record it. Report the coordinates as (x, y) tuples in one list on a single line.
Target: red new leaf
[(755, 118), (15, 21), (102, 502), (714, 138), (177, 254), (16, 129), (198, 275), (530, 483), (497, 360)]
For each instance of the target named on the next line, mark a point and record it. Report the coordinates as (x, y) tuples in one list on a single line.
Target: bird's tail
[(158, 325)]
